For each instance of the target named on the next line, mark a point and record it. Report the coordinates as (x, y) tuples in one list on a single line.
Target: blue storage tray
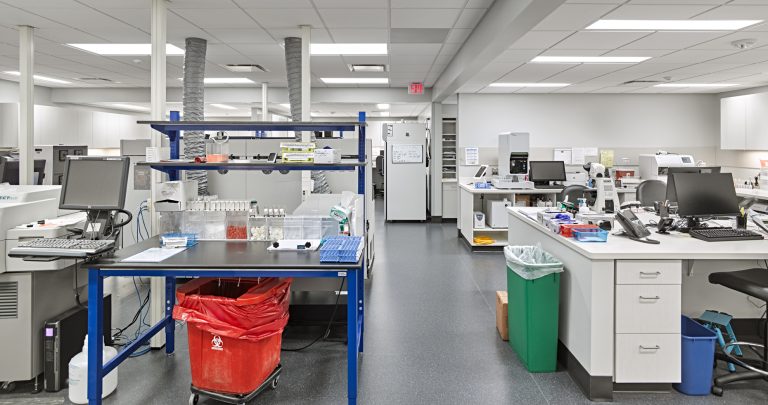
[(590, 234), (191, 237), (341, 249)]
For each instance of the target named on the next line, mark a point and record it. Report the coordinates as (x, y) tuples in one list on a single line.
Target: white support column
[(264, 101), (306, 103), (26, 104), (157, 98)]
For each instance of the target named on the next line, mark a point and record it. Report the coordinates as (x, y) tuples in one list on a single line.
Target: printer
[(654, 167)]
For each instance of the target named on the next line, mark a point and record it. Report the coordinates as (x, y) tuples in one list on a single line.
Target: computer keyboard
[(724, 234), (61, 247)]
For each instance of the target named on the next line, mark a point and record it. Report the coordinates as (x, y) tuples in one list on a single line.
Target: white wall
[(68, 125), (627, 123)]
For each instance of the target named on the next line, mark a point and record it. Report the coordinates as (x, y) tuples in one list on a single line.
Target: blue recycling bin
[(698, 356)]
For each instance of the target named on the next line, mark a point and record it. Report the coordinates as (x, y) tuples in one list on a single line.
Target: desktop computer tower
[(63, 338)]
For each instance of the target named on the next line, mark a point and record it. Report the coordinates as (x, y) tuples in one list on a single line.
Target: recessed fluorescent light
[(382, 106), (383, 113), (590, 59), (126, 49), (225, 80), (673, 25), (529, 84), (348, 49), (696, 85), (40, 78), (129, 107), (367, 68), (223, 106), (355, 80)]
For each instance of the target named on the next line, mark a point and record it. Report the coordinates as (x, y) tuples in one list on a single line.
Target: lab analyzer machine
[(654, 167), (405, 173), (513, 161)]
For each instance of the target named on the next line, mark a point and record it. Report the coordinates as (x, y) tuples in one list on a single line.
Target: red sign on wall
[(416, 88)]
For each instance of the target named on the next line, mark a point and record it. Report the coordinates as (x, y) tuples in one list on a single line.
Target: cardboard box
[(502, 321)]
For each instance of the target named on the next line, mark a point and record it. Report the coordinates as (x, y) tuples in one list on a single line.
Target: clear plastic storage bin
[(276, 228), (237, 225), (258, 228), (215, 225)]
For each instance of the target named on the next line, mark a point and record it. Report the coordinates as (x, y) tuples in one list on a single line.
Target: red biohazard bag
[(250, 309)]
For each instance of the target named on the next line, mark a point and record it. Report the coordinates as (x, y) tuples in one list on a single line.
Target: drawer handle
[(657, 347), (650, 298), (650, 274)]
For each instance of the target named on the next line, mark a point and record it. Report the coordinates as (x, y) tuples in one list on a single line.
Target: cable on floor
[(327, 332)]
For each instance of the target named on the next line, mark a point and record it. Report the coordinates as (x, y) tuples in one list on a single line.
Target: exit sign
[(416, 88)]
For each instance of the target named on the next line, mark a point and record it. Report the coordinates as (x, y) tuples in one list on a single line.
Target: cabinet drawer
[(647, 358), (648, 309), (649, 271)]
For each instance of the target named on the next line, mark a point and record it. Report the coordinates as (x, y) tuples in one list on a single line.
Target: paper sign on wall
[(606, 157), (579, 155), (472, 156), (563, 155), (407, 154)]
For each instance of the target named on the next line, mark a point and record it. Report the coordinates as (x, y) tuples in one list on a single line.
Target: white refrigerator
[(405, 171)]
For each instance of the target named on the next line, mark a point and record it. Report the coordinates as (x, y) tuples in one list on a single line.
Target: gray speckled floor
[(430, 338)]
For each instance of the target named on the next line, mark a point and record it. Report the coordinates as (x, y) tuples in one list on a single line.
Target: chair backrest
[(380, 164), (651, 191), (573, 192)]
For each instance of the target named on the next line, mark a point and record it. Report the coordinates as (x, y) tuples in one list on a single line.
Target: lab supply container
[(217, 149), (215, 225), (78, 374), (194, 222), (237, 225), (234, 327), (276, 228), (533, 290), (293, 227), (698, 355), (313, 227), (330, 227), (590, 234), (258, 228)]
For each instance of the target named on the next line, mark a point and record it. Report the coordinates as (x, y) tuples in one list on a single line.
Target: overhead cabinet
[(744, 122)]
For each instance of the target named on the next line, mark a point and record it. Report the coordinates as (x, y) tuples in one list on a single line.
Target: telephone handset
[(633, 227)]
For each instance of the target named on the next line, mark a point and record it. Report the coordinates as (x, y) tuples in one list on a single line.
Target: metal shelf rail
[(98, 271)]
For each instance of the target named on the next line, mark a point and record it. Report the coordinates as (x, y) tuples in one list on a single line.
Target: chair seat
[(753, 282)]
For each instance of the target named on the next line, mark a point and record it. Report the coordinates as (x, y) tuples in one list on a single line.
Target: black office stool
[(753, 282)]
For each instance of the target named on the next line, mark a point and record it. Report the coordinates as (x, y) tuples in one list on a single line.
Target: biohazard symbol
[(217, 343)]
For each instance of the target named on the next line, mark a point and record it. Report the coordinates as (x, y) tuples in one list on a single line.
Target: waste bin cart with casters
[(235, 332), (533, 288)]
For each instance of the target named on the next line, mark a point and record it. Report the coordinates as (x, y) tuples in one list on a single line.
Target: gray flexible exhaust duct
[(293, 68), (194, 106)]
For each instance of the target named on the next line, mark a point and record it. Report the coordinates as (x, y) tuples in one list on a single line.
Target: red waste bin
[(234, 329)]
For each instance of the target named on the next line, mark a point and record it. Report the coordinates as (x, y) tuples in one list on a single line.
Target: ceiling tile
[(103, 3), (424, 18), (515, 55), (573, 17), (410, 68), (281, 18), (12, 17), (534, 72), (599, 40), (656, 12), (396, 59), (241, 36), (428, 3), (479, 3), (344, 35), (418, 35), (666, 2), (672, 40), (724, 41), (217, 18), (354, 18), (572, 52), (318, 35), (414, 49), (274, 3), (584, 72), (689, 56), (350, 3), (540, 39), (64, 35), (197, 4), (653, 53), (469, 17), (736, 12)]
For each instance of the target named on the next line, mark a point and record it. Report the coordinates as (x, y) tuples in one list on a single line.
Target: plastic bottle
[(78, 374)]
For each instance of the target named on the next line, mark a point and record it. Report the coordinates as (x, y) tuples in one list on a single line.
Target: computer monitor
[(671, 194), (94, 183), (705, 195), (9, 171), (542, 172)]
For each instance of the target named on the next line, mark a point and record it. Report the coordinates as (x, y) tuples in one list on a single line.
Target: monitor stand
[(99, 225), (690, 223)]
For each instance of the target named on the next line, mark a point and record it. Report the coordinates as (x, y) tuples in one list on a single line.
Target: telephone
[(633, 227)]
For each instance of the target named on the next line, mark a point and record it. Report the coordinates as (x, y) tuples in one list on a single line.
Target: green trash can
[(533, 287)]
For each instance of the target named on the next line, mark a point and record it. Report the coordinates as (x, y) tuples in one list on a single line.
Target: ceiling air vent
[(643, 82), (95, 79), (9, 300), (245, 68)]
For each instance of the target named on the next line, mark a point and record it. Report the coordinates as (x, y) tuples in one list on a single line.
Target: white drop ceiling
[(239, 31), (680, 56)]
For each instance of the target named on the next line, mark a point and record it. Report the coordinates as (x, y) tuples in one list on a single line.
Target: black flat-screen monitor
[(671, 195), (9, 171), (94, 183), (546, 171), (705, 195)]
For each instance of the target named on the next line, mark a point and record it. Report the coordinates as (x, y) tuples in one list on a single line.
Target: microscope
[(607, 199)]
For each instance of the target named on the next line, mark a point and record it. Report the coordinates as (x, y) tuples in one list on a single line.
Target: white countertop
[(471, 188), (676, 245)]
